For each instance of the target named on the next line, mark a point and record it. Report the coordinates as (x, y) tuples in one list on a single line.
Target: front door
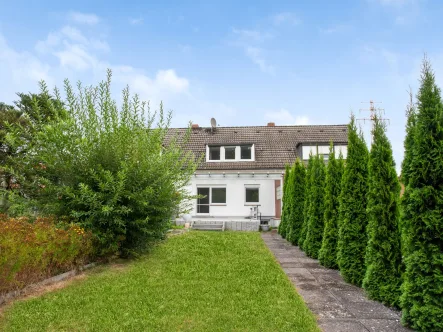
[(203, 203)]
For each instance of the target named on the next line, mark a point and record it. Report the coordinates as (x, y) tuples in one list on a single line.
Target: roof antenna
[(213, 125)]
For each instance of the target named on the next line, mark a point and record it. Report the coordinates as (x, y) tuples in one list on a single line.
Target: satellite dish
[(213, 123)]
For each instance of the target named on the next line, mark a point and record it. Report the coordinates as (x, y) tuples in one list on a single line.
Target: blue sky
[(244, 63)]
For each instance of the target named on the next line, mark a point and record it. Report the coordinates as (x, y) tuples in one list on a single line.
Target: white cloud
[(136, 21), (84, 18), (256, 55), (338, 28), (286, 18), (284, 117), (252, 35)]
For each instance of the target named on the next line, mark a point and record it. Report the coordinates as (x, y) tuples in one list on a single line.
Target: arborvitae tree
[(409, 141), (304, 227), (282, 227), (316, 210), (352, 238), (422, 298), (383, 253), (334, 172), (298, 201)]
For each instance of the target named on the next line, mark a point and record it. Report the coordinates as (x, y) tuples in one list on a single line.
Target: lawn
[(199, 281)]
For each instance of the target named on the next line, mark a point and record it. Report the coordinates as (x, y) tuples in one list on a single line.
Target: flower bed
[(31, 251)]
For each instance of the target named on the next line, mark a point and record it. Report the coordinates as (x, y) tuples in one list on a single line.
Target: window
[(214, 153), (203, 202), (218, 196), (252, 195), (245, 152), (229, 152)]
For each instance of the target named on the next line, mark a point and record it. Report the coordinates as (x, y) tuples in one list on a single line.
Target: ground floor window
[(212, 196), (252, 195)]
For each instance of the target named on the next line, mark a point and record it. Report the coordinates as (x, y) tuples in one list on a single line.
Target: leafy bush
[(298, 201), (352, 238), (315, 221), (383, 253), (111, 169), (328, 252), (422, 224), (32, 251)]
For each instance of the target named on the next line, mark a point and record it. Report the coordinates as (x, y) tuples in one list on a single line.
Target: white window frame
[(210, 197), (237, 153), (252, 186)]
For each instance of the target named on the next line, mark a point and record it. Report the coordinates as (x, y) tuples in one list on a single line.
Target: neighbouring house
[(241, 174)]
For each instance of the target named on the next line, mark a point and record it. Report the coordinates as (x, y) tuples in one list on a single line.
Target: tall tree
[(383, 253), (283, 226), (304, 228), (316, 210), (334, 173), (422, 224), (352, 237), (298, 201), (409, 140)]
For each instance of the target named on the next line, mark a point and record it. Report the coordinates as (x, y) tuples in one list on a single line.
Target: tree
[(334, 173), (316, 210), (111, 169), (383, 253), (422, 224), (298, 201), (304, 228), (283, 226), (352, 238)]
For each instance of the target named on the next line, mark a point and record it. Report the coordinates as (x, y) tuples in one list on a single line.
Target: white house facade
[(240, 180)]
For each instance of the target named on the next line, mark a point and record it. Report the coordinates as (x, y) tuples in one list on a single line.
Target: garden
[(350, 215)]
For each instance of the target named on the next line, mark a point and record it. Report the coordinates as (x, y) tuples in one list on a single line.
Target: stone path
[(339, 306)]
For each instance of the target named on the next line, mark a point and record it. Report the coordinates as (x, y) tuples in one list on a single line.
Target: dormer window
[(230, 153)]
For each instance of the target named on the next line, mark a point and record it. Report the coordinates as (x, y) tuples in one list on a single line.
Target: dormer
[(230, 153)]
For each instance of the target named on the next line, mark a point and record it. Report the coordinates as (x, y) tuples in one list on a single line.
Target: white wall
[(235, 193)]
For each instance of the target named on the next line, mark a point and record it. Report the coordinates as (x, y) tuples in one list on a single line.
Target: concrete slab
[(339, 306)]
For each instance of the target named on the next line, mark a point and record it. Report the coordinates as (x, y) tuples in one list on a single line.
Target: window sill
[(252, 204)]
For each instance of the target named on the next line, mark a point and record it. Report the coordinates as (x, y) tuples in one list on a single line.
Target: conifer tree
[(282, 227), (314, 232), (422, 224), (304, 227), (352, 239), (297, 203), (334, 173), (409, 141), (383, 252)]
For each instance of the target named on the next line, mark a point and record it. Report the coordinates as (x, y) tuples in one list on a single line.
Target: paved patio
[(339, 306)]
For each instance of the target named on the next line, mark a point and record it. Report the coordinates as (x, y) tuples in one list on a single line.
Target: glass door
[(203, 203)]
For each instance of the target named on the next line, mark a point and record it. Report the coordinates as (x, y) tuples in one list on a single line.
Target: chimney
[(271, 124), (195, 126)]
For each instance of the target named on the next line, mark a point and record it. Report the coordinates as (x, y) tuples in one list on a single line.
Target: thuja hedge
[(283, 226), (298, 179), (315, 221), (334, 173), (422, 219), (306, 204)]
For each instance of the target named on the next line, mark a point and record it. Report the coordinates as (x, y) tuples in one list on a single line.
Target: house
[(241, 174)]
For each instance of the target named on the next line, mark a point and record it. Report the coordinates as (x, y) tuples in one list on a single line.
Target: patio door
[(203, 203)]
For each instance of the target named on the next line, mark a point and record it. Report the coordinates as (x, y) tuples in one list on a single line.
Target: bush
[(422, 224), (328, 252), (352, 238), (383, 253), (32, 251), (304, 228), (315, 221), (298, 200), (111, 169)]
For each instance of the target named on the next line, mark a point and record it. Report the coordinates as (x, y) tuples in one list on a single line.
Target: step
[(208, 227)]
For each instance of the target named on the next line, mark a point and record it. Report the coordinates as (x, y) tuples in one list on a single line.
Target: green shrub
[(304, 228), (315, 225), (110, 168), (422, 223), (383, 253), (32, 251), (283, 226), (298, 200), (334, 172), (352, 238)]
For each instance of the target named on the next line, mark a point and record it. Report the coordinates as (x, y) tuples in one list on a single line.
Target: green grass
[(199, 281)]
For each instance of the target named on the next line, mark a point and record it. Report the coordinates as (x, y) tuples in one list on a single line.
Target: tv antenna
[(372, 114), (213, 124)]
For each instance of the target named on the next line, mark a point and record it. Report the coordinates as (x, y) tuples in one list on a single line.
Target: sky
[(241, 62)]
